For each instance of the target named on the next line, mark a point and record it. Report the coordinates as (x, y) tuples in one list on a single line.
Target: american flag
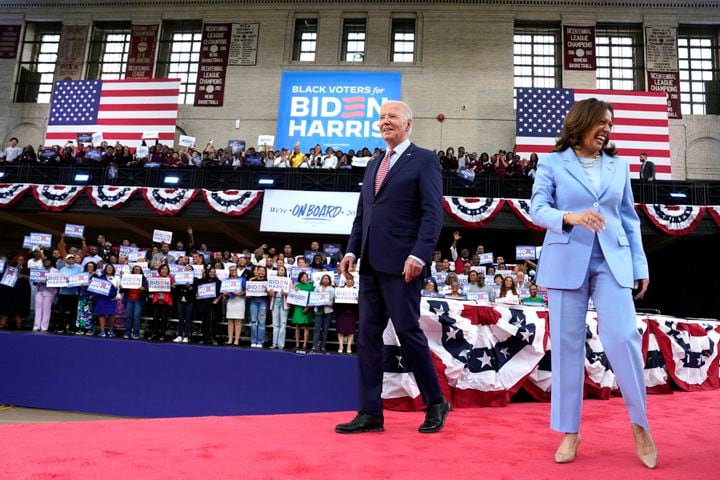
[(122, 110), (640, 125)]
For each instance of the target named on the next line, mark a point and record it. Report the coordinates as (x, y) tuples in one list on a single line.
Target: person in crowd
[(449, 161), (85, 304), (184, 300), (44, 298), (35, 262), (279, 309), (455, 291), (12, 152), (533, 298), (68, 296), (282, 161), (105, 305), (395, 230), (302, 316), (472, 282), (500, 165), (346, 317), (17, 298), (93, 256), (163, 256), (498, 280), (647, 168), (430, 289), (458, 259), (258, 311), (531, 167), (521, 279), (134, 303), (449, 279), (323, 315), (235, 308), (161, 303), (582, 196), (209, 308), (480, 286), (329, 160), (297, 158), (508, 291)]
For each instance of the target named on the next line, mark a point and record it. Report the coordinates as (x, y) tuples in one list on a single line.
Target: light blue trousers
[(619, 336)]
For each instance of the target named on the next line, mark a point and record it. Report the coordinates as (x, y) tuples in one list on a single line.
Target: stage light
[(678, 195), (359, 184), (82, 177), (2, 174), (266, 181), (171, 180)]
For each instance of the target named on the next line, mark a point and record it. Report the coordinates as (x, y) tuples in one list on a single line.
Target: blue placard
[(333, 109), (525, 252)]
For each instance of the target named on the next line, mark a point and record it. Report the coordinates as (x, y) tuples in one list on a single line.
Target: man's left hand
[(412, 269)]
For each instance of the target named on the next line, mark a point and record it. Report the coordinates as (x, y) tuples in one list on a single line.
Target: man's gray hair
[(406, 108)]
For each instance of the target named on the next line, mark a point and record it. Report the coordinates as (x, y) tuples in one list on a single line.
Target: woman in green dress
[(86, 306), (302, 316)]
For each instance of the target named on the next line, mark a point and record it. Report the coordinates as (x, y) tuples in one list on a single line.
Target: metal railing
[(227, 178)]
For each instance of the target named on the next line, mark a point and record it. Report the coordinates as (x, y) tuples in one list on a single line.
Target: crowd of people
[(502, 163), (220, 287)]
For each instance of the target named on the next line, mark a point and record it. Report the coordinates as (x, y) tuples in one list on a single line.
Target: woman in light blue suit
[(592, 248)]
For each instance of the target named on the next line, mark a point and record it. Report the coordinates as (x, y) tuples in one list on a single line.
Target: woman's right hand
[(590, 219)]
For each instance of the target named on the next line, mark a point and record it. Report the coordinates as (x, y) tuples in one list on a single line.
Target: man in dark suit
[(647, 168), (398, 221)]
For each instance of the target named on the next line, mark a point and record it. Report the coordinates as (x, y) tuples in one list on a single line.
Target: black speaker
[(28, 86)]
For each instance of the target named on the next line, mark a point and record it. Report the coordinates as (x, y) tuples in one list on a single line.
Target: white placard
[(41, 239), (298, 297), (231, 285), (221, 274), (462, 280), (298, 211), (486, 258), (142, 151), (478, 269), (175, 268), (131, 281), (100, 286), (478, 296), (525, 252), (268, 140), (162, 236), (28, 242), (159, 284), (150, 135), (198, 270), (278, 283), (440, 277), (317, 299), (56, 280), (317, 277), (207, 290), (187, 141), (256, 288), (186, 277), (37, 275), (74, 231), (346, 295), (121, 269), (505, 273), (176, 254), (78, 280), (97, 138), (10, 277)]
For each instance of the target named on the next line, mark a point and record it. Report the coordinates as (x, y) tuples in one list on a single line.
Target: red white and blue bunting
[(675, 219), (168, 201), (715, 214), (521, 208), (11, 193), (56, 198), (485, 353), (472, 212), (110, 197), (232, 202)]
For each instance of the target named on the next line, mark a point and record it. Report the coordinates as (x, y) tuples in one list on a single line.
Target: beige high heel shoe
[(648, 458), (562, 457)]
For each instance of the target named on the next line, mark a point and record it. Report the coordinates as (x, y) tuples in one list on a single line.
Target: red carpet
[(488, 443)]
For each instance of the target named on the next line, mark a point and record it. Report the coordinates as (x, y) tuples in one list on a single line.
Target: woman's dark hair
[(504, 289), (430, 280), (301, 275), (163, 266), (324, 277), (583, 116), (90, 263)]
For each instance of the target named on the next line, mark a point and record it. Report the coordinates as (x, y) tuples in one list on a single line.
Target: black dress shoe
[(435, 416), (362, 423)]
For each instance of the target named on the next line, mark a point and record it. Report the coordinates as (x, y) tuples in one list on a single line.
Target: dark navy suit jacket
[(404, 218)]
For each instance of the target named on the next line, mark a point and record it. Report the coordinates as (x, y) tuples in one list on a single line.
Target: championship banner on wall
[(292, 211), (141, 57), (334, 109), (71, 52), (661, 64), (9, 40), (579, 43), (214, 48)]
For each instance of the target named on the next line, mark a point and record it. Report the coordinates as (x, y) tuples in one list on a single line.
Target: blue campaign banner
[(334, 109)]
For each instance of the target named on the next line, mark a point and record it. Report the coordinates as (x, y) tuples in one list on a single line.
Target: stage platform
[(145, 379)]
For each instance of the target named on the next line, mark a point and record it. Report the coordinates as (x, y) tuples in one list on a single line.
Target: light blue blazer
[(561, 186)]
